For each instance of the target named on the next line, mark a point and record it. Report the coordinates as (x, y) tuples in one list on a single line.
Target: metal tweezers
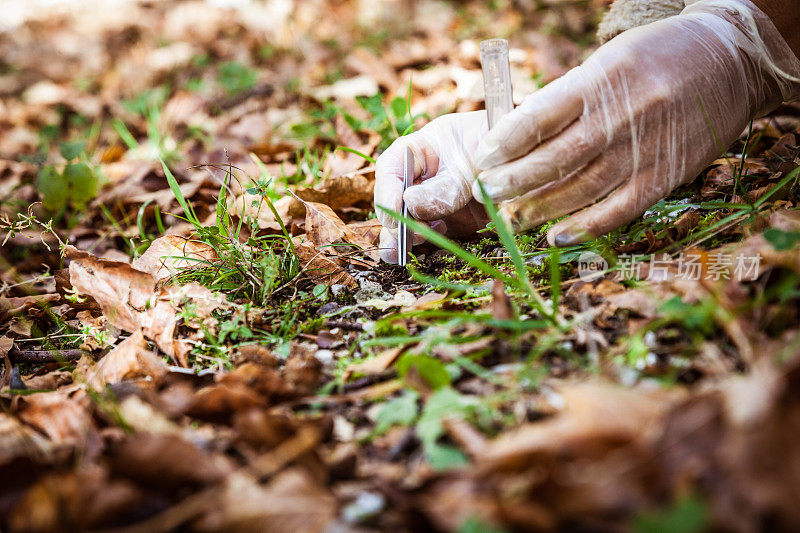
[(403, 233)]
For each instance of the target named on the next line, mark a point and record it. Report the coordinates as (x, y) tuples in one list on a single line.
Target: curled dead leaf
[(78, 500), (130, 359), (325, 228)]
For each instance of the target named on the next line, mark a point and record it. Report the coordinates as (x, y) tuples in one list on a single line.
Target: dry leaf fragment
[(322, 268), (368, 229), (292, 501), (376, 365), (255, 207), (79, 500), (501, 303), (20, 441), (170, 254), (130, 359), (121, 291), (11, 306), (324, 227), (341, 191), (63, 415), (167, 462), (593, 412), (303, 371), (430, 300)]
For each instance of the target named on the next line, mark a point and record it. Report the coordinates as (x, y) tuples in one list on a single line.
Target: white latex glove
[(444, 171), (644, 114)]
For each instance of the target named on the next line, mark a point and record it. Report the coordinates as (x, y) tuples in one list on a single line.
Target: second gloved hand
[(444, 171), (644, 114)]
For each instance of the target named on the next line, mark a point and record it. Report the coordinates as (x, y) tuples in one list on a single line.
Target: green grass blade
[(506, 237), (124, 134), (435, 282), (356, 152), (510, 244), (176, 190)]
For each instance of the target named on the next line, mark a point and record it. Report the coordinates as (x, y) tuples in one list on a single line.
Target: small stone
[(371, 290), (324, 356), (328, 309), (365, 506), (338, 289), (404, 298)]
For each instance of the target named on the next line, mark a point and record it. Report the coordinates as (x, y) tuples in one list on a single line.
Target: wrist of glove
[(627, 14), (644, 114)]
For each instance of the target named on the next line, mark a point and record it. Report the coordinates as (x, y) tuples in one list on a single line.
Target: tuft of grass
[(249, 266)]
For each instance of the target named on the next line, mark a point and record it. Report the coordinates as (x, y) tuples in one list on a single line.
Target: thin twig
[(43, 356)]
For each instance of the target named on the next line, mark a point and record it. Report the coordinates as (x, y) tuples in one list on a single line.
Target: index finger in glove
[(389, 178), (540, 116)]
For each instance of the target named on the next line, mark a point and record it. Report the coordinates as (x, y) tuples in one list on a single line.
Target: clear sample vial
[(496, 79)]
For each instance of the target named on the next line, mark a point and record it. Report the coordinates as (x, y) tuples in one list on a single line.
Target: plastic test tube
[(496, 79)]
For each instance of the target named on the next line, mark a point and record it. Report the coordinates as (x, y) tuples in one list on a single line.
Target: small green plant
[(72, 185), (782, 240), (390, 122), (236, 77), (160, 145), (689, 514)]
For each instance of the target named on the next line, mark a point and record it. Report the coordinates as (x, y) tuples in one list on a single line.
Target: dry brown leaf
[(50, 381), (128, 299), (365, 61), (370, 230), (322, 268), (10, 306), (64, 415), (253, 206), (158, 324), (302, 370), (324, 228), (430, 300), (167, 462), (592, 412), (292, 501), (20, 326), (341, 191), (121, 291), (130, 359), (79, 500), (170, 254), (376, 365)]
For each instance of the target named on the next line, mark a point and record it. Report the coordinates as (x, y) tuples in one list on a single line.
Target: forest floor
[(197, 334)]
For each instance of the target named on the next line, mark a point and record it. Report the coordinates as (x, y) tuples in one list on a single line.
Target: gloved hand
[(443, 174), (644, 114)]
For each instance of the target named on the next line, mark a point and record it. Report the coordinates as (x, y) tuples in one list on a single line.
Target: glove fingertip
[(562, 235), (476, 192), (387, 249), (424, 206)]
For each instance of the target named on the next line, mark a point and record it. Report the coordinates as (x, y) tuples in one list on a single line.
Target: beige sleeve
[(627, 14)]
